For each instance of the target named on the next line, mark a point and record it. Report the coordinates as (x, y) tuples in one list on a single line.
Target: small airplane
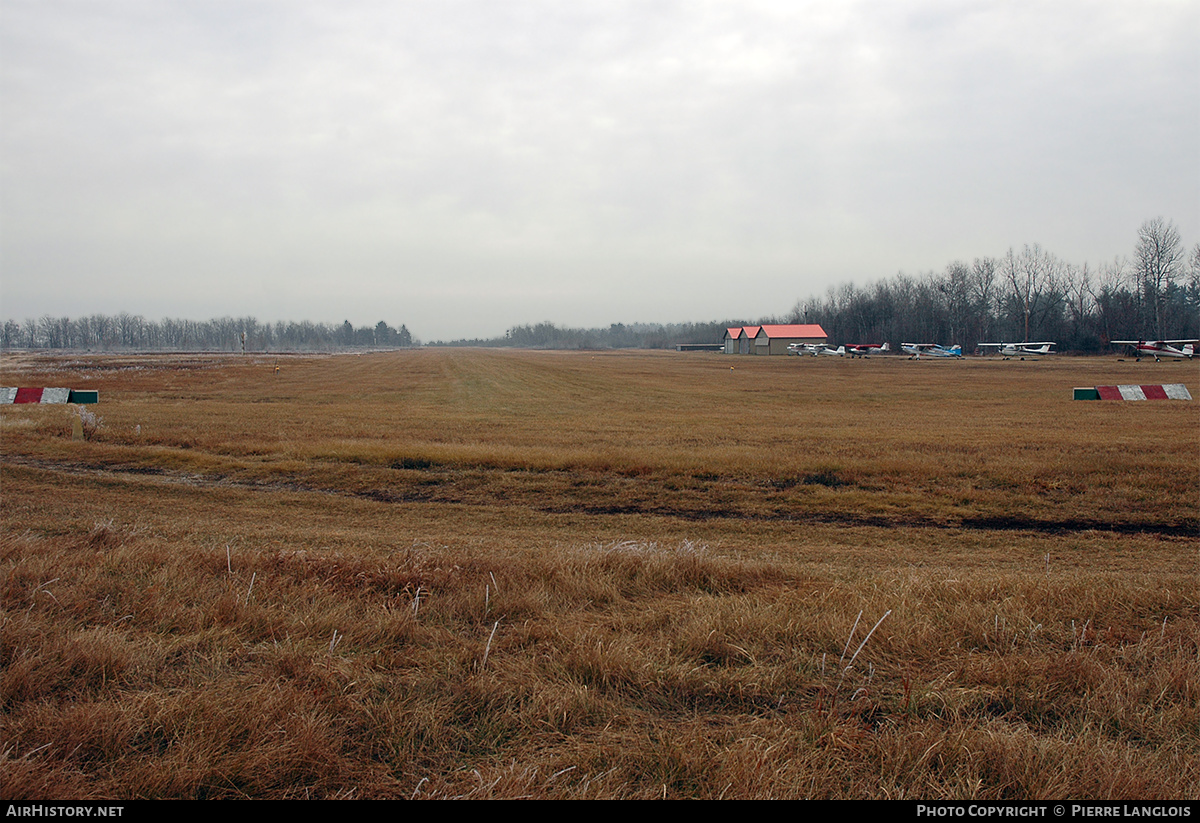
[(865, 349), (1021, 350), (930, 350), (1161, 348), (816, 349)]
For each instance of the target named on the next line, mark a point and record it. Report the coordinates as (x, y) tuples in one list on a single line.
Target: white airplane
[(1021, 350), (815, 349), (865, 349), (1161, 348), (930, 350)]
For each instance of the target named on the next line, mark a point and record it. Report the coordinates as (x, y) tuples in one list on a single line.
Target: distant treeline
[(1025, 295), (133, 332), (616, 336), (1028, 295)]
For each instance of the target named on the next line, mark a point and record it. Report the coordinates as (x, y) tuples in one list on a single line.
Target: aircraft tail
[(885, 347)]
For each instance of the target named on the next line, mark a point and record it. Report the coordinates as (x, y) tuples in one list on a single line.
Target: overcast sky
[(463, 166)]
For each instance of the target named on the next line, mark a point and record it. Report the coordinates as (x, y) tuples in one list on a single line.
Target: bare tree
[(983, 292), (1032, 275), (1191, 294), (1159, 261), (1081, 299), (955, 286)]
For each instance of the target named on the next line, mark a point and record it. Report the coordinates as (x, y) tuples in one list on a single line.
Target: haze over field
[(463, 167)]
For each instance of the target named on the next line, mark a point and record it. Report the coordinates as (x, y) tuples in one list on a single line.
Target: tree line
[(133, 332), (1026, 295), (616, 336), (1022, 296)]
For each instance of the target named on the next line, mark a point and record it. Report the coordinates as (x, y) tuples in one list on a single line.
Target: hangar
[(740, 339), (771, 338)]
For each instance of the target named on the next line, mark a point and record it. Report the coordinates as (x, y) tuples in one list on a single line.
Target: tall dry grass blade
[(865, 639), (850, 638), (487, 649)]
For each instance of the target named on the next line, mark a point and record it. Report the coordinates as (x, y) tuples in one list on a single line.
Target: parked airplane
[(864, 349), (815, 349), (930, 350), (1021, 350), (1161, 348)]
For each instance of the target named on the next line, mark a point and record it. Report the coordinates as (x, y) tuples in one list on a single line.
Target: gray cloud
[(464, 166)]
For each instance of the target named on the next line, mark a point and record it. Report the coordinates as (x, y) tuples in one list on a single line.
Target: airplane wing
[(1038, 343)]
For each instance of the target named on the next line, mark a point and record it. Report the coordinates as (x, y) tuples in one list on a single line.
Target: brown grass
[(507, 574)]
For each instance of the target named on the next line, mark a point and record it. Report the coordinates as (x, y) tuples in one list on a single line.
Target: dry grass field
[(500, 574)]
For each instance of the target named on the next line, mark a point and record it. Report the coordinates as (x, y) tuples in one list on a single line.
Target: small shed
[(732, 335), (746, 341)]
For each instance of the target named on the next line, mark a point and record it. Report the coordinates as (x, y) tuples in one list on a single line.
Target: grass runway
[(481, 573)]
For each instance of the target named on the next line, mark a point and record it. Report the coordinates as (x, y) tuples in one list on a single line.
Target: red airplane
[(1160, 348), (864, 349)]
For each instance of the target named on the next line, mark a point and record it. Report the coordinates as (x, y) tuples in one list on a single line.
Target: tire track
[(431, 496)]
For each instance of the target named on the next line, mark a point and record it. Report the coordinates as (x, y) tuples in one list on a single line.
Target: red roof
[(750, 331), (793, 330), (734, 332)]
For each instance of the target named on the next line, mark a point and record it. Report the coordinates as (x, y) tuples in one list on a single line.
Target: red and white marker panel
[(33, 395), (1164, 391)]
